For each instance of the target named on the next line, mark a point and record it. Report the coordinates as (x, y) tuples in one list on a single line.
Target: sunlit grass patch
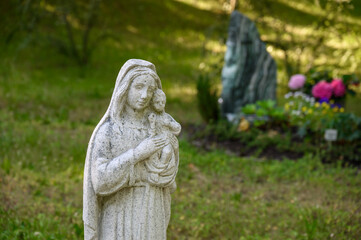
[(38, 205)]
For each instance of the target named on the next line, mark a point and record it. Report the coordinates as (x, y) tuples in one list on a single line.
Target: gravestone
[(249, 73), (132, 161)]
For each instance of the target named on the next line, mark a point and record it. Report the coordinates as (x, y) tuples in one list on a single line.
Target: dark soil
[(348, 153), (236, 147)]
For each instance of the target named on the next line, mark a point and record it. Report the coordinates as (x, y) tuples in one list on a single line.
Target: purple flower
[(322, 90), (297, 81), (322, 100), (339, 105)]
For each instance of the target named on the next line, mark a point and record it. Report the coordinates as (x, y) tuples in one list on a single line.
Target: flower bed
[(302, 123), (322, 86)]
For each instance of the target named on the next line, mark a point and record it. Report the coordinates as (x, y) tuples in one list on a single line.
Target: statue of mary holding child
[(119, 200)]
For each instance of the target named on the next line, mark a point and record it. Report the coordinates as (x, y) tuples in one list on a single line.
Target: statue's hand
[(173, 140), (149, 146)]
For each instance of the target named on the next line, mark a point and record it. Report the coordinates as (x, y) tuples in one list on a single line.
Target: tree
[(66, 25)]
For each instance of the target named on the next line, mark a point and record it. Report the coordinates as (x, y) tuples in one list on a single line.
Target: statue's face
[(140, 92), (159, 103)]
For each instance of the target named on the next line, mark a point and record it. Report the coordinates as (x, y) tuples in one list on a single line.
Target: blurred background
[(59, 61)]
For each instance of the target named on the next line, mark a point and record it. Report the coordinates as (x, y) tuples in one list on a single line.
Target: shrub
[(265, 112), (348, 126), (207, 100)]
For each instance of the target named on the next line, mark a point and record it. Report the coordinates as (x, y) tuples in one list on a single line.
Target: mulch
[(235, 147)]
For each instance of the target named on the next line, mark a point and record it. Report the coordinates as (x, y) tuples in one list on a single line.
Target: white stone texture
[(132, 161)]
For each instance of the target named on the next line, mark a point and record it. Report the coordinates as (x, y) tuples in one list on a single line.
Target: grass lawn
[(49, 107), (218, 197)]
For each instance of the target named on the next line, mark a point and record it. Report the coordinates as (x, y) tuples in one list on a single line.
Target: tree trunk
[(233, 4)]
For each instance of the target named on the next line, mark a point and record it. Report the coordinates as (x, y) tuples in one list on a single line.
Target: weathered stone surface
[(132, 161), (249, 73)]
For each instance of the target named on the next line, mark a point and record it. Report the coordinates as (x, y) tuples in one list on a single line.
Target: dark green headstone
[(249, 73)]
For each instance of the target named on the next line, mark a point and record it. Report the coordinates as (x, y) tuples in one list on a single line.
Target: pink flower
[(322, 89), (339, 89), (297, 81)]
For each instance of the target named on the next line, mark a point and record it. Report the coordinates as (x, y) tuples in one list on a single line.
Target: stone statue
[(132, 161), (249, 73), (161, 123)]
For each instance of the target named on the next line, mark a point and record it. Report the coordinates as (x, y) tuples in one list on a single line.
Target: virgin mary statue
[(119, 201)]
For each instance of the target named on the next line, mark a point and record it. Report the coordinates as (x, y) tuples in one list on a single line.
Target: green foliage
[(307, 114), (350, 79), (311, 121), (222, 130), (69, 26), (266, 112), (249, 109), (207, 100), (348, 126), (347, 147)]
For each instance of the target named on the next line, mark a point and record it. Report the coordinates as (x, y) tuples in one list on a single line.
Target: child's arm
[(173, 126), (152, 119)]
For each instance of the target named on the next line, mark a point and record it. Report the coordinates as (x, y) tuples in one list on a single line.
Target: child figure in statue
[(119, 200), (161, 123)]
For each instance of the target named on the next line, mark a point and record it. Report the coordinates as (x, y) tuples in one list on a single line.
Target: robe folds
[(119, 202)]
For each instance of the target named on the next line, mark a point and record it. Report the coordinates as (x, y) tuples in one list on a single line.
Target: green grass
[(49, 107), (232, 198), (218, 197)]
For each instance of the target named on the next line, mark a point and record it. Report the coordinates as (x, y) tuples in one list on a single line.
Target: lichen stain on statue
[(249, 73), (132, 161)]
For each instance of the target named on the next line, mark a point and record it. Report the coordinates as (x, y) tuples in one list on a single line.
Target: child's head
[(159, 100)]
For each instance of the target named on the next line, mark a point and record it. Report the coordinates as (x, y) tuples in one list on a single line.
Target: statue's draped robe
[(126, 206)]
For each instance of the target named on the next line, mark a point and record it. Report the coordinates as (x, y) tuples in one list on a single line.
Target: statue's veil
[(129, 71)]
